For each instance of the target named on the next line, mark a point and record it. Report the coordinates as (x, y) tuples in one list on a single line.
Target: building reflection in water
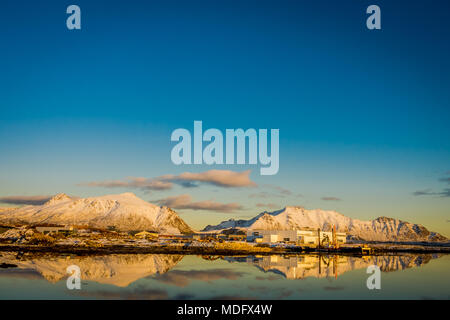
[(324, 266)]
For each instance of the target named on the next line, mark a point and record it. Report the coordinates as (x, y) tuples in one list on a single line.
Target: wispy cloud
[(268, 205), (428, 192), (425, 192), (444, 193), (27, 200), (219, 178), (331, 199), (275, 192), (446, 179), (280, 190), (262, 194), (184, 201), (132, 182)]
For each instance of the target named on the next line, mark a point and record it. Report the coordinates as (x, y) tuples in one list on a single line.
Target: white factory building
[(305, 236)]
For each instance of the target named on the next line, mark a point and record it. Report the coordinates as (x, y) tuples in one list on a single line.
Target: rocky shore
[(218, 249)]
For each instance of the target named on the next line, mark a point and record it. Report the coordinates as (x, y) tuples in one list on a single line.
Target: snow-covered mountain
[(289, 218), (123, 211)]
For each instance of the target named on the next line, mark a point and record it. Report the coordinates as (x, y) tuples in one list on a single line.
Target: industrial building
[(304, 236), (47, 230)]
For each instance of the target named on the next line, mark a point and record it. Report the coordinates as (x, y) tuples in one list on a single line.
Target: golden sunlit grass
[(240, 246)]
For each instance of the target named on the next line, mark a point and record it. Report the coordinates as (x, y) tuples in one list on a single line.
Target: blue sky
[(363, 115)]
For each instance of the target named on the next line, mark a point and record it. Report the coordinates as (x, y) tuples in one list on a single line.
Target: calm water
[(147, 276)]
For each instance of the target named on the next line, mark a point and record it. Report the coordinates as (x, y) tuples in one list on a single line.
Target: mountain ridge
[(125, 212), (291, 217)]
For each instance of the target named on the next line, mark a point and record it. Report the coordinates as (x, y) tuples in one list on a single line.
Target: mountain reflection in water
[(119, 270), (324, 266), (123, 269), (160, 276)]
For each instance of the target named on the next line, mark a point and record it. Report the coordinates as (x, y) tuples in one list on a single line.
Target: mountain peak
[(58, 198), (128, 194), (384, 219), (293, 208)]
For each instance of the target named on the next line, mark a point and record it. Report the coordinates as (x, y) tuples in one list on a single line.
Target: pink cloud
[(184, 201)]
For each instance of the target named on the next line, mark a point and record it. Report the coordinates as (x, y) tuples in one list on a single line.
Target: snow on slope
[(124, 211), (289, 218), (3, 210)]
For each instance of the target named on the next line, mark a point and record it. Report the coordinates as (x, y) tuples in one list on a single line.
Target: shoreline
[(186, 250)]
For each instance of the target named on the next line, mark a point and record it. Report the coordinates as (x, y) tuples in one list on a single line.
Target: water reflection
[(124, 269), (157, 276), (324, 266), (118, 270), (182, 278)]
